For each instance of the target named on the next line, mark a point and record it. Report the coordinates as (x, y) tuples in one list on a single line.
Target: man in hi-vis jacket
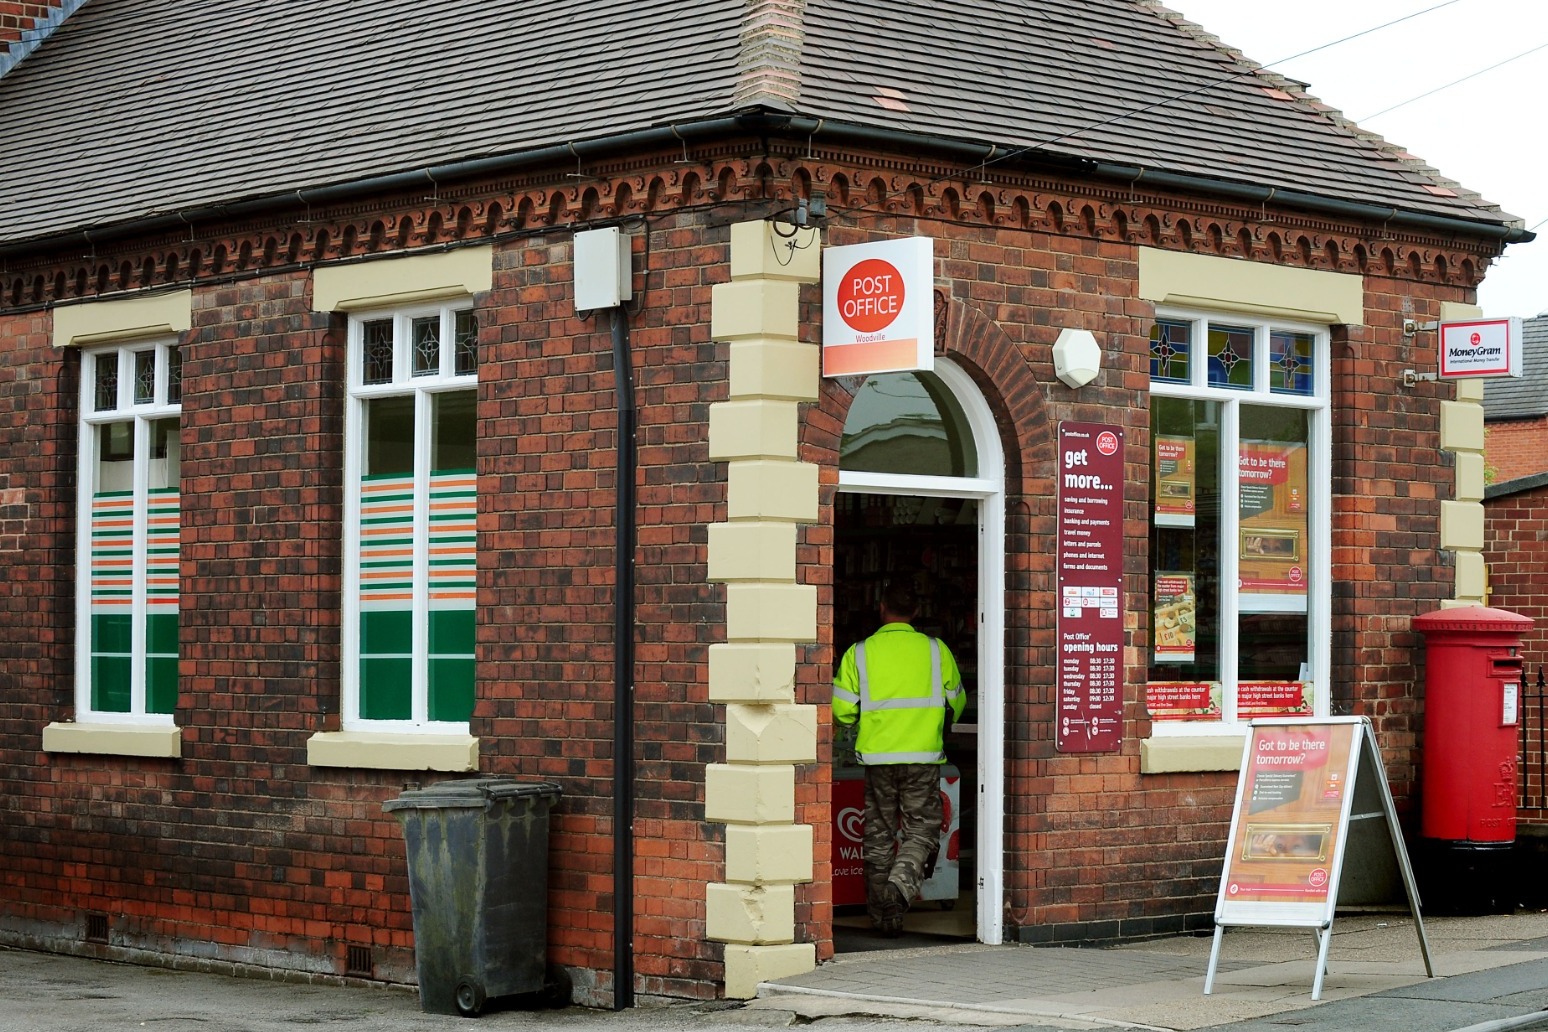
[(898, 684)]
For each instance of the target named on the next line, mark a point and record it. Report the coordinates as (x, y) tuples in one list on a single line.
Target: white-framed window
[(410, 530), (128, 528), (1240, 540)]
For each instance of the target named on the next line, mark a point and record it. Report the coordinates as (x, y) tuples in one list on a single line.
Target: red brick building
[(316, 462)]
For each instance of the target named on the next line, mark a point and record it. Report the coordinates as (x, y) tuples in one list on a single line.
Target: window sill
[(379, 751), (156, 741), (1179, 753)]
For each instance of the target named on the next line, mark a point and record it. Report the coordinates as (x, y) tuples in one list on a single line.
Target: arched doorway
[(921, 493)]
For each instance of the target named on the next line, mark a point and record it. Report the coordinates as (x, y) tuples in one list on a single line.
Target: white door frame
[(988, 488)]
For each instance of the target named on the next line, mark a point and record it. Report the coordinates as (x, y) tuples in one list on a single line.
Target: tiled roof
[(139, 108), (1524, 396)]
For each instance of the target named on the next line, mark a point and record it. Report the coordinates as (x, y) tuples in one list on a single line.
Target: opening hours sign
[(1090, 620)]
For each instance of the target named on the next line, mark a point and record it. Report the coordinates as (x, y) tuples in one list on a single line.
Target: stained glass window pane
[(466, 355), (427, 345), (1290, 358), (1171, 346), (144, 377), (174, 376), (107, 381), (1230, 357), (376, 355)]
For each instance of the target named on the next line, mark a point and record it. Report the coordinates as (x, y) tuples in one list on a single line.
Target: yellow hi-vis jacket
[(898, 683)]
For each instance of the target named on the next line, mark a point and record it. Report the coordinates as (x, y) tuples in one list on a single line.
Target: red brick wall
[(547, 541), (38, 600), (1516, 448), (1389, 479)]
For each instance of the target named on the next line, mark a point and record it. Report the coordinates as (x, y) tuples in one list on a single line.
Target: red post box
[(1468, 767), (1471, 679)]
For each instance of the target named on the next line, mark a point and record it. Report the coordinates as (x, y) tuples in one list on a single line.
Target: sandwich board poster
[(1291, 830), (1286, 834)]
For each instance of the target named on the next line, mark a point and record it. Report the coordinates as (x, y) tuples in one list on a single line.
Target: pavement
[(1489, 970), (1491, 975)]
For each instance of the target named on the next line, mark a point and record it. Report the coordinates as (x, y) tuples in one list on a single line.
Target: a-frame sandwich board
[(1314, 827)]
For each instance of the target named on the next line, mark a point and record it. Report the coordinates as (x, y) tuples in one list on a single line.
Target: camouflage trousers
[(902, 829)]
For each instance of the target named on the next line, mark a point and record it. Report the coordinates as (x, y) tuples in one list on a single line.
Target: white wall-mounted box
[(603, 272)]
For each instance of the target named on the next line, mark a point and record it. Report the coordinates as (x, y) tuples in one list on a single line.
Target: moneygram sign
[(878, 307), (1480, 347)]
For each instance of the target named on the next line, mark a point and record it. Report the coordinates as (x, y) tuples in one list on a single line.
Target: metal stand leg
[(1214, 958), (1324, 939)]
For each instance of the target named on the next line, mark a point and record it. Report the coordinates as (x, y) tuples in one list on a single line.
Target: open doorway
[(921, 485), (933, 543)]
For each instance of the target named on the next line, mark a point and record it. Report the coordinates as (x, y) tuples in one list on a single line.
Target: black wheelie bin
[(478, 881)]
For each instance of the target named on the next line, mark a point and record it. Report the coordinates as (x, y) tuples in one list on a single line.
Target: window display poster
[(1183, 700), (1273, 488), (1289, 815), (1176, 486), (1090, 565), (1175, 616), (1274, 699)]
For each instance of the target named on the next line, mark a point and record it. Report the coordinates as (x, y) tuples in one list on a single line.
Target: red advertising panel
[(1182, 700), (1090, 625), (1274, 699)]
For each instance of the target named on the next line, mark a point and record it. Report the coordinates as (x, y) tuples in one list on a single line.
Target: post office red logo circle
[(870, 296), (1107, 442)]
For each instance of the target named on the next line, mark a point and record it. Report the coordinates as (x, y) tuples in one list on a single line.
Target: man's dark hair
[(900, 600)]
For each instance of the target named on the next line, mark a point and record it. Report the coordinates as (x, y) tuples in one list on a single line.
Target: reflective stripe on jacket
[(898, 683)]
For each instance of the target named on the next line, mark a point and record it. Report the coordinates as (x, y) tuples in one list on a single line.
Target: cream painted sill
[(157, 741), (1175, 754), (376, 751)]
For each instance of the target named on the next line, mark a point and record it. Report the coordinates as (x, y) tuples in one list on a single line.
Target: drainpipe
[(623, 673)]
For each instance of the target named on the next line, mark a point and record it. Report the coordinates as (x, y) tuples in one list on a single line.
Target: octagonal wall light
[(1077, 358)]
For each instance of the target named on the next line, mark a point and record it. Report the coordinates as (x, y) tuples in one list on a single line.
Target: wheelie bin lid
[(467, 793)]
